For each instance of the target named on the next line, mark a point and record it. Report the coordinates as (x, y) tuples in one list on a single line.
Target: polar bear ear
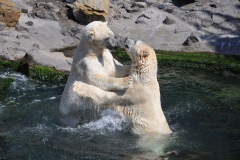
[(91, 33), (145, 54)]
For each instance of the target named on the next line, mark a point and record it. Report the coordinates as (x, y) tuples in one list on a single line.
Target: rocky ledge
[(46, 32)]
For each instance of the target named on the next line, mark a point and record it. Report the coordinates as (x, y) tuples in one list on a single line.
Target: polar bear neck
[(87, 47)]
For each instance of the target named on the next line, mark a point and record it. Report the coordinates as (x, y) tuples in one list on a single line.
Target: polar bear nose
[(129, 42)]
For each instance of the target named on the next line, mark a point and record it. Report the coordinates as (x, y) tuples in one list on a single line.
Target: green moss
[(8, 64), (47, 74), (5, 84), (217, 63)]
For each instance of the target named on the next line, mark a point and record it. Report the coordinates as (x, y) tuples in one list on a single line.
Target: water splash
[(109, 122)]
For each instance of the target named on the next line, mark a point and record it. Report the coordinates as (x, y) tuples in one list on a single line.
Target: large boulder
[(9, 13), (91, 10)]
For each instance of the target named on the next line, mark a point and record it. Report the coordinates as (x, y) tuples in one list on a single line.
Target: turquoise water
[(203, 110)]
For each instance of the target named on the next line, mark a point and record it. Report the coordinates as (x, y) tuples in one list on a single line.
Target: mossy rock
[(5, 84), (217, 63), (9, 64), (47, 74)]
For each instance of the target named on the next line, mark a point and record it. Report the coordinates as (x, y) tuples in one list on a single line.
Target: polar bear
[(92, 64), (140, 104)]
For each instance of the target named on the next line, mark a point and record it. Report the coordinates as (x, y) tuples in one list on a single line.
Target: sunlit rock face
[(9, 13), (91, 10)]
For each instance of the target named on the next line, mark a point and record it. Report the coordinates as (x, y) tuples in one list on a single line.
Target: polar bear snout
[(129, 43), (111, 42)]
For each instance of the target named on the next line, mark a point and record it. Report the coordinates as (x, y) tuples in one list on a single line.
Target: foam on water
[(109, 122)]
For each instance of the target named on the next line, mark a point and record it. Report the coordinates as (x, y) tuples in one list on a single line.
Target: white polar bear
[(140, 103), (92, 64)]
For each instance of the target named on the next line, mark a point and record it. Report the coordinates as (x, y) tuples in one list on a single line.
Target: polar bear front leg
[(111, 83), (98, 95)]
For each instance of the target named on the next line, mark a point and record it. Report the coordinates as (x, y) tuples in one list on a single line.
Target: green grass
[(47, 74), (8, 64)]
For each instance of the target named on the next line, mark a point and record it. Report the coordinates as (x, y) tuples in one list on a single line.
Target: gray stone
[(199, 4), (19, 49), (56, 60), (218, 19), (68, 40), (21, 28), (162, 6), (78, 35), (2, 25), (23, 36), (29, 23), (190, 40), (47, 15), (65, 33), (133, 9), (36, 45), (141, 20), (16, 42), (169, 21), (2, 39), (140, 4), (24, 10), (207, 23), (49, 6)]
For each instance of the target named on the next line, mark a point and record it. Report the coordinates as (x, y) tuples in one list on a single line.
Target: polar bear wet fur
[(140, 104), (92, 64)]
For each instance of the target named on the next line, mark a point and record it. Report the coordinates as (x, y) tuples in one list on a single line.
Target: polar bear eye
[(145, 54)]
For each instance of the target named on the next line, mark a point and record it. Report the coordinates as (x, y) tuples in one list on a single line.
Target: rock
[(190, 40), (2, 25), (19, 49), (77, 32), (140, 4), (199, 4), (24, 10), (169, 10), (2, 40), (49, 6), (162, 6), (68, 40), (23, 36), (141, 20), (213, 5), (218, 19), (36, 45), (29, 23), (91, 10), (47, 15), (70, 1), (56, 60), (169, 21), (9, 13), (133, 9), (207, 23), (16, 42), (65, 33), (21, 28)]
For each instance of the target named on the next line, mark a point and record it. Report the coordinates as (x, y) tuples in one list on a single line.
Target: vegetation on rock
[(217, 63)]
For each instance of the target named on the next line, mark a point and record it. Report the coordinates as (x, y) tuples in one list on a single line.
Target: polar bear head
[(144, 62), (98, 35)]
